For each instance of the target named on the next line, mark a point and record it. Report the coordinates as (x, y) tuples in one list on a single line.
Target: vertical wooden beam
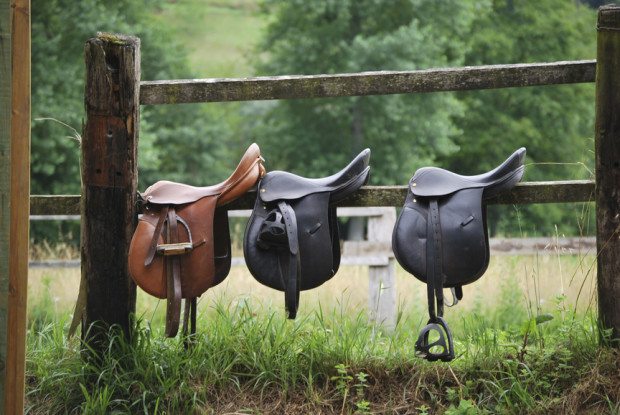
[(5, 183), (14, 198), (607, 149), (20, 207), (109, 182), (382, 279)]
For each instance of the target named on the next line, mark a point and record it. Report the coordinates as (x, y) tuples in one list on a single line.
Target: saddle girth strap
[(163, 214), (173, 277), (290, 256)]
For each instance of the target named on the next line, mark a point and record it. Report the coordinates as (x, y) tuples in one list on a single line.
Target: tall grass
[(524, 344), (327, 362)]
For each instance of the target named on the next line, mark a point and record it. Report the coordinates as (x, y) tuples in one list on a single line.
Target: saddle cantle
[(181, 246), (292, 242), (441, 238)]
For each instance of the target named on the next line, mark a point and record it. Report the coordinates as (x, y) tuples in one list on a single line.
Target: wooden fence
[(114, 93), (376, 253)]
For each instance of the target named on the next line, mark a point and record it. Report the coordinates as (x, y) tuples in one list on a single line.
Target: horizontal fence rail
[(365, 83), (498, 246), (523, 193)]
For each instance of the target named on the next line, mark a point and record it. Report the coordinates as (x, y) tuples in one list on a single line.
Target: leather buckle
[(427, 350), (180, 248)]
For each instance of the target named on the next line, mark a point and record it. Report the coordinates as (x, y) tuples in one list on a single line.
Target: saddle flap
[(197, 265), (465, 252), (315, 239)]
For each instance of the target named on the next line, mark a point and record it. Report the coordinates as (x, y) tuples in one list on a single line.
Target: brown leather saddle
[(181, 246)]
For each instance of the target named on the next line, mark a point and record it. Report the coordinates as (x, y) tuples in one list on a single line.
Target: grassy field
[(219, 35), (249, 359), (526, 282)]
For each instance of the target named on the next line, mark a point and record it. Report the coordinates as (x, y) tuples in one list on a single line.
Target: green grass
[(219, 35), (248, 359), (327, 362)]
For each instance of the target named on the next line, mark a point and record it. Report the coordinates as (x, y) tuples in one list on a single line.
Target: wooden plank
[(54, 217), (348, 212), (365, 83), (607, 169), (348, 261), (20, 206), (578, 245), (55, 263), (524, 193), (109, 184), (5, 184), (365, 253), (382, 279), (55, 205)]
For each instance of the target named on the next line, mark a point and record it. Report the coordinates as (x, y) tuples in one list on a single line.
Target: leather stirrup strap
[(291, 291), (163, 214), (442, 348), (173, 279), (434, 271)]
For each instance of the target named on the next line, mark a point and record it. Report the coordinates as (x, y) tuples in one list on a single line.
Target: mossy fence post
[(109, 183), (607, 165)]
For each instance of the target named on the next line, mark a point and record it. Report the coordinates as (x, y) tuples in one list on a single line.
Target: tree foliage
[(404, 131), (176, 142), (554, 123), (468, 132), (179, 142)]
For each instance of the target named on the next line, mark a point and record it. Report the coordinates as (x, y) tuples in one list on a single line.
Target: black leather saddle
[(441, 238), (292, 242)]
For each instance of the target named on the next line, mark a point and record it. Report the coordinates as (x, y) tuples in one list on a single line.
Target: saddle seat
[(434, 181), (284, 185), (167, 192)]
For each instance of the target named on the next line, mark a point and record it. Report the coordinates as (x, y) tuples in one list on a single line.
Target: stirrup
[(423, 347), (178, 248), (272, 232)]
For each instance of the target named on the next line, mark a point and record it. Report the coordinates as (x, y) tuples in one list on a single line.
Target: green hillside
[(219, 35)]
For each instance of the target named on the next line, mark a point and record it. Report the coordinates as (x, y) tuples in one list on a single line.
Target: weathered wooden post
[(109, 182), (14, 198), (382, 288), (607, 149)]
